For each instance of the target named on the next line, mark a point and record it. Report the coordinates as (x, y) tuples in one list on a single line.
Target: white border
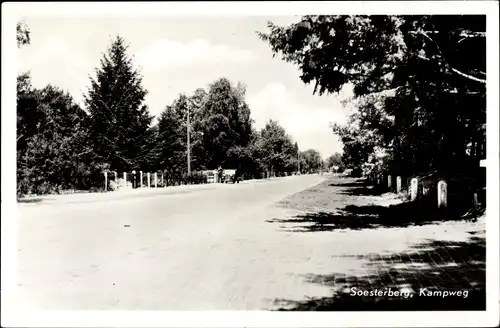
[(492, 166), (12, 315), (245, 8)]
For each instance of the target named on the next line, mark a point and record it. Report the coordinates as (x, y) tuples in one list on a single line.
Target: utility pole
[(298, 161), (188, 143)]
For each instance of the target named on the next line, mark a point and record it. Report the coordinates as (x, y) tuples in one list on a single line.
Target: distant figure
[(220, 172)]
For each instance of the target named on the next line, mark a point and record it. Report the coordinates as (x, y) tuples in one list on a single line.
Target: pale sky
[(179, 55)]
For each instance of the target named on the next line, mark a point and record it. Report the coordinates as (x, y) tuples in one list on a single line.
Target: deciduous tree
[(419, 84)]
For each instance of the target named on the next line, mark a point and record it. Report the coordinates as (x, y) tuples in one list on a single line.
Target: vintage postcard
[(250, 164)]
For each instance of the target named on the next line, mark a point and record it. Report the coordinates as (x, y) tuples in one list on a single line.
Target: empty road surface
[(189, 248)]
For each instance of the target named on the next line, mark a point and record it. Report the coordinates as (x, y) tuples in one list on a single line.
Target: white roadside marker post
[(414, 188), (442, 194)]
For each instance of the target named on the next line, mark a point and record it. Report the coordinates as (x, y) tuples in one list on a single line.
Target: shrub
[(195, 178), (114, 185)]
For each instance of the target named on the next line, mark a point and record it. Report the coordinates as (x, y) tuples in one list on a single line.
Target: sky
[(179, 55)]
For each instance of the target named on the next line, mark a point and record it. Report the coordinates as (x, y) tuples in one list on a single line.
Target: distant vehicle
[(231, 175), (347, 173), (237, 177)]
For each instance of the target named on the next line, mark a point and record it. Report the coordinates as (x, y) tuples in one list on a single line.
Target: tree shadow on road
[(430, 266), (349, 183), (360, 187), (364, 191), (356, 217), (29, 200)]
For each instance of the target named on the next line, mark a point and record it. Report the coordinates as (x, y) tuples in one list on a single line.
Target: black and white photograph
[(253, 159)]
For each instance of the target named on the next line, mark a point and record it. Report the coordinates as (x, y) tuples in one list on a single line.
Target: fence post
[(398, 184), (389, 182), (134, 182), (156, 179), (149, 180), (414, 188), (475, 203), (442, 194), (163, 179), (140, 186), (116, 179), (105, 181), (124, 179)]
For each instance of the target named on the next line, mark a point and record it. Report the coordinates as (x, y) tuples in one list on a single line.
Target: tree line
[(62, 145), (419, 85)]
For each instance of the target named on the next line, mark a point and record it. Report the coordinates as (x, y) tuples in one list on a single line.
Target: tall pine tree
[(119, 118)]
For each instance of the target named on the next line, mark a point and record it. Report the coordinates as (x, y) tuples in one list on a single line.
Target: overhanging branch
[(445, 62), (468, 76)]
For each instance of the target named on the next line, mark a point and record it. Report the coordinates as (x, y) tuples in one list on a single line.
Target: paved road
[(205, 248)]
